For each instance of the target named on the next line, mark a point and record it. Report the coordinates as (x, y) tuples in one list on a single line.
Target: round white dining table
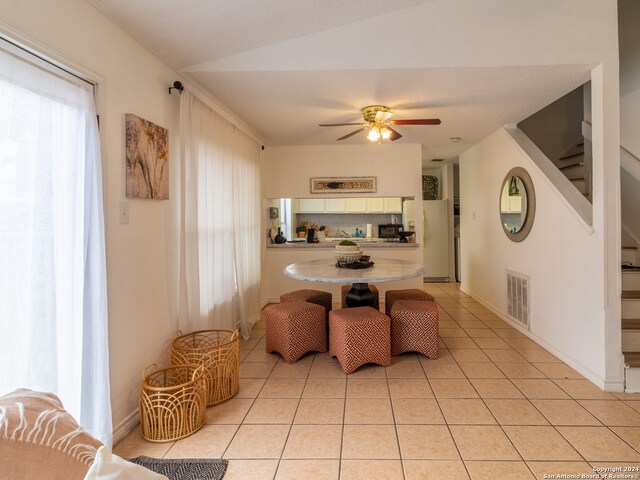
[(383, 270)]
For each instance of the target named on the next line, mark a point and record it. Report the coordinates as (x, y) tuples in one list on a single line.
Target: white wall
[(286, 172), (141, 256)]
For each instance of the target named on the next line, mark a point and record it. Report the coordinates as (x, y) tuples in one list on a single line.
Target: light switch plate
[(123, 213)]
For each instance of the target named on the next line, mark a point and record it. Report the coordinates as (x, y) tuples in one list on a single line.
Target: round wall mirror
[(517, 204)]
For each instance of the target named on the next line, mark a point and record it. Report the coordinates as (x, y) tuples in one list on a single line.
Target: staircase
[(572, 163), (631, 319)]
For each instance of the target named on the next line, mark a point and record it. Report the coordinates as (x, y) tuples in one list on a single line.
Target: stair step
[(631, 323), (577, 174), (569, 162), (566, 167), (629, 247), (631, 295), (575, 155), (580, 184), (631, 279), (632, 359)]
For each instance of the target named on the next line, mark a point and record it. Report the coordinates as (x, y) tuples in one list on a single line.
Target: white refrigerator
[(436, 239)]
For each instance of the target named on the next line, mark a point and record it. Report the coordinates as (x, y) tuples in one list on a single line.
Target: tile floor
[(493, 405)]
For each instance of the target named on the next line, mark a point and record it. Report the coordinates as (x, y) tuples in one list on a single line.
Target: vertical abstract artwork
[(147, 153)]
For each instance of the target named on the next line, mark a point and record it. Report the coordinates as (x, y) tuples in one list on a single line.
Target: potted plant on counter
[(301, 230)]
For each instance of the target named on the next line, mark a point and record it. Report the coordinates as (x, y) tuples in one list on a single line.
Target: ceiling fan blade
[(352, 133), (417, 121), (394, 135), (338, 124), (382, 116)]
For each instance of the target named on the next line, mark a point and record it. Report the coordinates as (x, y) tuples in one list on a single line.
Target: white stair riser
[(569, 161), (580, 185), (632, 380), (629, 256), (631, 340), (574, 172), (631, 308), (630, 281)]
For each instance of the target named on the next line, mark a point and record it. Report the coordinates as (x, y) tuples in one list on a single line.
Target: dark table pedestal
[(360, 296)]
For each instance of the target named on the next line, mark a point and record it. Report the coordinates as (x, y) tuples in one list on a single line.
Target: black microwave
[(390, 230)]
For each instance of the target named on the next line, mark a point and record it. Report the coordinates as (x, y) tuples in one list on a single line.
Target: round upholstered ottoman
[(414, 327), (312, 296), (344, 289), (391, 296), (358, 336), (295, 328)]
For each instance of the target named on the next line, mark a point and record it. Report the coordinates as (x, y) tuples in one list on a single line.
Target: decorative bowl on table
[(347, 252)]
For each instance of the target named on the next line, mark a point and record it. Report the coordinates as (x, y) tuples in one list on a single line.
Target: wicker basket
[(173, 402), (219, 352)]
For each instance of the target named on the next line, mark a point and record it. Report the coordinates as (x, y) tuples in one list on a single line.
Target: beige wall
[(285, 173)]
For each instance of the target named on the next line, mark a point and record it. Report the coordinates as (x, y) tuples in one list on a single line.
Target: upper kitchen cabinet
[(335, 205), (392, 205), (355, 205), (311, 205), (375, 205)]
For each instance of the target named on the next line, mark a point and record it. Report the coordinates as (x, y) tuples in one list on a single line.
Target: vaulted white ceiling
[(283, 66)]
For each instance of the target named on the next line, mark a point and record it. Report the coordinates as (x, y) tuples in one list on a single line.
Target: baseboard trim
[(608, 386), (126, 426)]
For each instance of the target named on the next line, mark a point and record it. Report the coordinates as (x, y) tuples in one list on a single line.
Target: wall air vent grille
[(519, 297)]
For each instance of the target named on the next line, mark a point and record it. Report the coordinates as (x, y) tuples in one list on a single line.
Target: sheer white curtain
[(53, 308), (220, 221)]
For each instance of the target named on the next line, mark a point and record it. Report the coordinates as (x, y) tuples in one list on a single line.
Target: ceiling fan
[(376, 120)]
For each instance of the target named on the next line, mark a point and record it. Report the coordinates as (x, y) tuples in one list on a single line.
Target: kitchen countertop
[(373, 243)]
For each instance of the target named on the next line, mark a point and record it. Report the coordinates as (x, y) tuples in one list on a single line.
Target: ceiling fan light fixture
[(374, 134), (385, 132)]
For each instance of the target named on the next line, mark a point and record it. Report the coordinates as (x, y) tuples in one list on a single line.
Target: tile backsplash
[(347, 223)]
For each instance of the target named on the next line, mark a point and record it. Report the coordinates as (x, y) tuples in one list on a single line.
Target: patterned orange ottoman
[(295, 328), (391, 296), (414, 327), (358, 336), (312, 296), (345, 289)]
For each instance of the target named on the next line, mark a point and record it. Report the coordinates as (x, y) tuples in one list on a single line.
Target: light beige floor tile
[(631, 435), (294, 370), (486, 316), (452, 388), (371, 470), (134, 445), (539, 388), (251, 469), (459, 343), (248, 344), (472, 324), (466, 411), (496, 388), (495, 323), (490, 342), (258, 333), (504, 355), (612, 413), (367, 388), (370, 442), (326, 370), (541, 443), (485, 332), (231, 412), (635, 404), (515, 412), (407, 357), (242, 354), (483, 443), (520, 370), (444, 356), (416, 411), (209, 442), (325, 388), (325, 357), (258, 442), (443, 370), (255, 370), (368, 411), (323, 411), (626, 396), (282, 388), (583, 390), (314, 441), (557, 370), (250, 387), (449, 324), (538, 355), (509, 333), (469, 355), (262, 356), (599, 444), (409, 388), (272, 410), (405, 370), (512, 470), (481, 370), (426, 442), (565, 412), (540, 469), (369, 371), (452, 332), (311, 469), (435, 470)]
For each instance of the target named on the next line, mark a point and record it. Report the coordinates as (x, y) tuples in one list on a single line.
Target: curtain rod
[(177, 85)]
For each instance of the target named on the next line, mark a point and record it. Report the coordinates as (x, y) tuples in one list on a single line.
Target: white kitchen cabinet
[(511, 204), (311, 205), (335, 205), (356, 205), (392, 205), (375, 205)]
